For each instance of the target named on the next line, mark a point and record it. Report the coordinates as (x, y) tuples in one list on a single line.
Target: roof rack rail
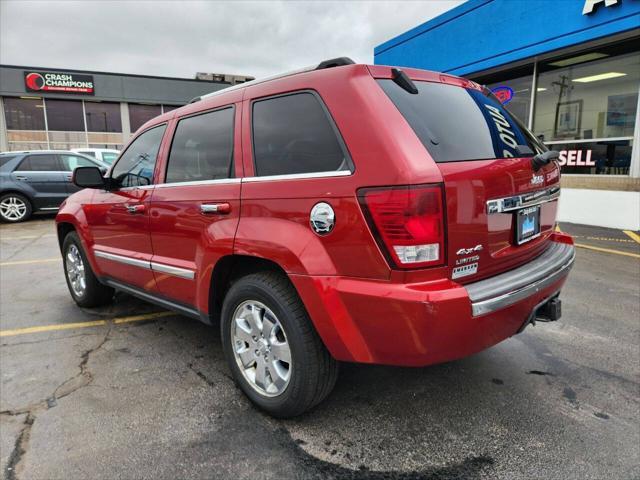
[(335, 62)]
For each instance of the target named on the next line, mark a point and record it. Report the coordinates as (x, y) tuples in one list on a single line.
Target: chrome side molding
[(508, 204), (122, 259), (299, 176), (147, 265), (175, 271)]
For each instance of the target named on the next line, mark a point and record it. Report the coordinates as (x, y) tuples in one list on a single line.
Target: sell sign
[(575, 158), (58, 82)]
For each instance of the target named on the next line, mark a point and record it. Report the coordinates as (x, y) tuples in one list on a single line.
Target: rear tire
[(14, 208), (265, 327), (83, 285)]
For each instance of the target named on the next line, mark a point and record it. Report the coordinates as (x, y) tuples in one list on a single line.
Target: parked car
[(343, 213), (38, 181), (105, 155)]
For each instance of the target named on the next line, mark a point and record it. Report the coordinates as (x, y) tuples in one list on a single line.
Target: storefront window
[(588, 100), (515, 95), (140, 114), (513, 89), (103, 116), (65, 115), (23, 113), (603, 157)]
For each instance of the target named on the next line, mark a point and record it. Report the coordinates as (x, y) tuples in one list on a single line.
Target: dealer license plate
[(527, 224)]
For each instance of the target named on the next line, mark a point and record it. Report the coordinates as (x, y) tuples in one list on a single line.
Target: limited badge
[(322, 218)]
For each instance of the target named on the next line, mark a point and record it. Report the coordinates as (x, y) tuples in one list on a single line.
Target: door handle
[(133, 209), (69, 177), (20, 177), (222, 208)]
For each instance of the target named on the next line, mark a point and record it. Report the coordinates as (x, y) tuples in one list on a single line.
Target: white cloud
[(179, 38)]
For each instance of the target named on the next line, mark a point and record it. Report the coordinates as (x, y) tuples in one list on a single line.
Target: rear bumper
[(498, 292), (420, 324)]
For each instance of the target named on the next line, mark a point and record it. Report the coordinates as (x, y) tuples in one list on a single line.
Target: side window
[(70, 162), (202, 148), (136, 164), (294, 134), (40, 163), (4, 159)]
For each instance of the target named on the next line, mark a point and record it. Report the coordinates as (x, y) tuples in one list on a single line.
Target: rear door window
[(136, 165), (202, 148), (458, 124), (294, 134), (40, 163)]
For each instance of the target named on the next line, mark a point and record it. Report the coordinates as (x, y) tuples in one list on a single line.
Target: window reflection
[(23, 113), (64, 115), (103, 117), (140, 114)]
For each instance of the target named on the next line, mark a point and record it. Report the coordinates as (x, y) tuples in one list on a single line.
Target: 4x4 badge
[(467, 251), (322, 218)]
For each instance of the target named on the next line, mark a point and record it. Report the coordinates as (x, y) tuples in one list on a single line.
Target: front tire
[(83, 285), (15, 208), (274, 353)]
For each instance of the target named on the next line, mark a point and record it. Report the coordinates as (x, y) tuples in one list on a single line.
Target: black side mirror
[(524, 151), (543, 159), (88, 177)]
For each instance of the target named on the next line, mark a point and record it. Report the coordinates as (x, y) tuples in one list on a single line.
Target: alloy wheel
[(13, 208), (261, 348), (75, 271)]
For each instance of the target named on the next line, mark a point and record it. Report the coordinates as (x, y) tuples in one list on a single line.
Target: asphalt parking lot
[(130, 391)]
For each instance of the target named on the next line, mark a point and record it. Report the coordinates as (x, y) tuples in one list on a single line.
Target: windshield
[(108, 157), (458, 124)]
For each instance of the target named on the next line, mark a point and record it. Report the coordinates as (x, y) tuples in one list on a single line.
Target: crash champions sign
[(58, 82)]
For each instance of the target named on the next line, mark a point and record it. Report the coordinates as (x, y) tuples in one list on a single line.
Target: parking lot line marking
[(607, 250), (27, 237), (632, 235), (51, 328), (27, 262), (92, 323)]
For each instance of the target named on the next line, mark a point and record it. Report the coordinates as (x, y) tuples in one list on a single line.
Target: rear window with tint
[(458, 124), (294, 134)]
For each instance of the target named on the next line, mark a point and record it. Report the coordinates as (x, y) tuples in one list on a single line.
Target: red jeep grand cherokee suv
[(339, 213)]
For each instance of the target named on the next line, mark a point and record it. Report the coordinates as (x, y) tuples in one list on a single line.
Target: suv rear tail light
[(407, 222)]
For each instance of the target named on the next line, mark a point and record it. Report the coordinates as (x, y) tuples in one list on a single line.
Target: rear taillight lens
[(407, 222)]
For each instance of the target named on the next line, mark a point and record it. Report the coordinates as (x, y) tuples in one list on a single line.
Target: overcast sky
[(180, 38)]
